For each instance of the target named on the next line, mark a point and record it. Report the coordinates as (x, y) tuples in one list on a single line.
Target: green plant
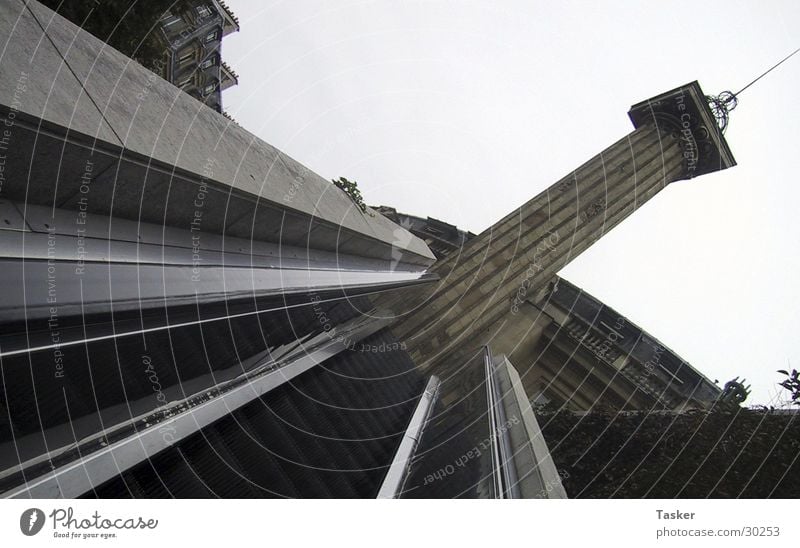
[(351, 189), (792, 384)]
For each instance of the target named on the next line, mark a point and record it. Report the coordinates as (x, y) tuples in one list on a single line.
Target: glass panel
[(454, 457)]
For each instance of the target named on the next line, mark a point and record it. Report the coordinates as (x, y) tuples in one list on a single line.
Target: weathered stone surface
[(34, 79), (163, 145)]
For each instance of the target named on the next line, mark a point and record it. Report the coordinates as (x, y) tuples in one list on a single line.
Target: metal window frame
[(505, 473), (397, 473)]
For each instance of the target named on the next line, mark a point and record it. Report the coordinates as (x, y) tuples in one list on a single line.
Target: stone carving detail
[(594, 210), (563, 186), (685, 113)]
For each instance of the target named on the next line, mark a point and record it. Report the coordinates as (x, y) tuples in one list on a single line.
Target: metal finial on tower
[(722, 104)]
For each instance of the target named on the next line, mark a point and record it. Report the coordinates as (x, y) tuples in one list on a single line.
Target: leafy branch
[(792, 384), (351, 189)]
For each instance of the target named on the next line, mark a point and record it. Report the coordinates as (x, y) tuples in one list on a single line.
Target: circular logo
[(31, 521)]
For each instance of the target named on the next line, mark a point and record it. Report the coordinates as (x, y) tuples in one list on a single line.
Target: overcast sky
[(463, 111)]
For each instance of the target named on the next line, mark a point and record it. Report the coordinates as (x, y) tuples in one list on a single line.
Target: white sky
[(464, 110)]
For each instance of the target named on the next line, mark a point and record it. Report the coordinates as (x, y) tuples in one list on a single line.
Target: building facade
[(495, 290), (187, 315), (192, 37), (582, 354), (585, 355), (442, 238), (163, 281)]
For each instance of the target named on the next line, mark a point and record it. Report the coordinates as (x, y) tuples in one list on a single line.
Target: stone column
[(483, 286)]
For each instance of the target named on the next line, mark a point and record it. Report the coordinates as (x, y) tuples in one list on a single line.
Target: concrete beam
[(86, 122)]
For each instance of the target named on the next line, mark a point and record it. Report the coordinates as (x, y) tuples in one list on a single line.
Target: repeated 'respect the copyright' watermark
[(467, 456), (547, 245)]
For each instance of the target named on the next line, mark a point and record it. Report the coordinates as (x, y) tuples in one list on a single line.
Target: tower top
[(685, 111)]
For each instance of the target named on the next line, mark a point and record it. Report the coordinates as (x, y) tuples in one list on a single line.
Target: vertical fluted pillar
[(483, 286)]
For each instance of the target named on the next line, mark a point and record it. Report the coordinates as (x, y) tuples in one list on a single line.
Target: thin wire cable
[(767, 72)]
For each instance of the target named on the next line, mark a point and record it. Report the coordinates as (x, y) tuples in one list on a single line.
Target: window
[(173, 19), (211, 36), (185, 81), (204, 11), (209, 89), (186, 57), (207, 63)]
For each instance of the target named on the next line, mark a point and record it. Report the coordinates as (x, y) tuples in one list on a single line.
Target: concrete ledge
[(91, 119), (538, 476)]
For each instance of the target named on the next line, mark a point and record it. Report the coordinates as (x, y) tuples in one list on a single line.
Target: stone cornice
[(684, 113)]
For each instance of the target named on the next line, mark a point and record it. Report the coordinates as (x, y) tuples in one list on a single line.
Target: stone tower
[(483, 288)]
